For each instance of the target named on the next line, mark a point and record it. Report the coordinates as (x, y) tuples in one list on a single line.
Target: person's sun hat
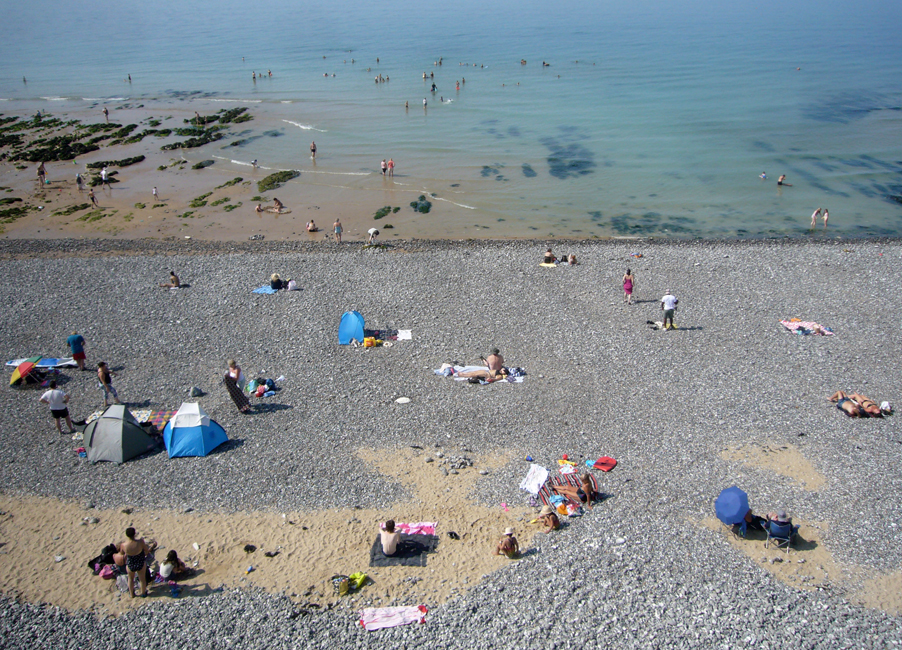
[(508, 531), (782, 517), (546, 510)]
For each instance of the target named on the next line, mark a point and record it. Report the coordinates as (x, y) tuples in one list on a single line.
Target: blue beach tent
[(351, 327), (191, 432)]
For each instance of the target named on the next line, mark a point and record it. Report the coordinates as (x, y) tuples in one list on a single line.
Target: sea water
[(651, 119)]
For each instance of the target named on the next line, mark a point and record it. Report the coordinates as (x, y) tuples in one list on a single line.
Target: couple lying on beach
[(495, 370), (859, 406)]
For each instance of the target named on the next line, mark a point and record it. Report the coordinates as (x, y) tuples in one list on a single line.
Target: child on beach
[(549, 519), (172, 568), (389, 538), (508, 545)]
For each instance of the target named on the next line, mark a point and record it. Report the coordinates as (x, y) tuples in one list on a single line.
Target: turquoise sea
[(652, 118)]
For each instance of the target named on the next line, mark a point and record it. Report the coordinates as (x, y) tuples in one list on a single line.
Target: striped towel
[(806, 327), (376, 618), (546, 493)]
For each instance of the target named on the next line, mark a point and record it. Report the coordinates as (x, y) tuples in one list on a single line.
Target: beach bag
[(252, 385), (270, 384), (107, 573), (122, 583), (260, 390), (341, 584)]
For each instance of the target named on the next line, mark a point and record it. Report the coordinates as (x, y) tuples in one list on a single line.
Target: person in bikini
[(584, 494), (508, 545), (855, 405), (134, 552), (549, 519)]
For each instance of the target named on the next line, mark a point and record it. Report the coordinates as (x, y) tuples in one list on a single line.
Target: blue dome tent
[(191, 432), (350, 327)]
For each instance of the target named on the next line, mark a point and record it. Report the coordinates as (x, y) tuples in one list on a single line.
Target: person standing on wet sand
[(106, 113), (336, 227), (384, 167), (313, 149), (42, 174), (93, 198)]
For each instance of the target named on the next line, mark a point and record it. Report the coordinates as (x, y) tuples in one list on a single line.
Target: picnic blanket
[(546, 493), (268, 290), (389, 335), (535, 479), (458, 369), (157, 418), (805, 327), (376, 618), (411, 551)]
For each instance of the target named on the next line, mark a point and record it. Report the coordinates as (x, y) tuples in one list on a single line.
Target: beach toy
[(249, 569), (565, 457), (529, 459)]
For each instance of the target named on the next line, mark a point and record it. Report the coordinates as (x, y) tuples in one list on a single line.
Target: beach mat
[(545, 493), (411, 551), (267, 290)]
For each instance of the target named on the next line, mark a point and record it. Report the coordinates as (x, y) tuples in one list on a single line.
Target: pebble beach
[(730, 398)]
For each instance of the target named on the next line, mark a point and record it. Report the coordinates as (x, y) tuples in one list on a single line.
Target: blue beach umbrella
[(731, 505)]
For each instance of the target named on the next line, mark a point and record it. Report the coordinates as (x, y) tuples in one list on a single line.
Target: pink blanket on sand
[(806, 327), (376, 618), (418, 528)]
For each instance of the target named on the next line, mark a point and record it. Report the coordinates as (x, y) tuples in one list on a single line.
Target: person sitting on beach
[(277, 205), (584, 494), (389, 538), (856, 406), (259, 208), (311, 226), (508, 545), (753, 521), (291, 285), (548, 518), (172, 568), (133, 553), (571, 259), (779, 518), (174, 282), (275, 282), (549, 258), (495, 368)]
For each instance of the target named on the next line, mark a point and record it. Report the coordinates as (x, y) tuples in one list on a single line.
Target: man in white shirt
[(57, 400), (668, 304)]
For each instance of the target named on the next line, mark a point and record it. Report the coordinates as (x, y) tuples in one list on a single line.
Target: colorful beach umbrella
[(23, 370), (731, 506)]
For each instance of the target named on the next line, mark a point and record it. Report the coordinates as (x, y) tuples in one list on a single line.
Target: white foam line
[(286, 101), (239, 101), (459, 205), (55, 99), (246, 164), (306, 127)]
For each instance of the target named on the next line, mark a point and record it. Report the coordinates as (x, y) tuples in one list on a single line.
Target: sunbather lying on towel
[(583, 494), (856, 406), (488, 375)]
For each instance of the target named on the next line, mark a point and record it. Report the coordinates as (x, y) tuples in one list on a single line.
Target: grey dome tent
[(116, 436)]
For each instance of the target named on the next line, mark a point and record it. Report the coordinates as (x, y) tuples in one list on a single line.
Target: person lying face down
[(390, 538)]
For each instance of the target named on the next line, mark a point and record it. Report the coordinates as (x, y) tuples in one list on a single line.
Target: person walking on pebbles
[(336, 227), (57, 400), (669, 305), (105, 378), (628, 282)]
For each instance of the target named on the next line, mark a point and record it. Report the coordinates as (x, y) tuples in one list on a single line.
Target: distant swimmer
[(462, 80), (522, 61), (432, 75), (406, 105), (814, 217), (457, 87), (129, 78), (313, 150), (254, 163), (270, 72), (24, 81), (377, 59), (424, 102), (763, 176), (433, 87), (781, 181), (424, 75), (546, 65), (826, 216)]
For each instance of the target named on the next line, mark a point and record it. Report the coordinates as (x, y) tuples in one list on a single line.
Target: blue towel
[(267, 290)]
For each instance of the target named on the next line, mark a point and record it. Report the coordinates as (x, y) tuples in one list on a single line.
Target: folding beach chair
[(781, 535)]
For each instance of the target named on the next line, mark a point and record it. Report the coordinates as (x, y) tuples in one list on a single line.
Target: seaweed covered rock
[(274, 181), (202, 164), (422, 204), (125, 162), (209, 136), (382, 212), (63, 147)]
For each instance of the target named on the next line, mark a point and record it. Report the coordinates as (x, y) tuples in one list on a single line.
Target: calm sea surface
[(653, 118)]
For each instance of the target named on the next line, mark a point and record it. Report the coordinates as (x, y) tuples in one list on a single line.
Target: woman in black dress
[(236, 394)]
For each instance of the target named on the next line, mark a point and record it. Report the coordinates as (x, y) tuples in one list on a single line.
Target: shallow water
[(661, 128)]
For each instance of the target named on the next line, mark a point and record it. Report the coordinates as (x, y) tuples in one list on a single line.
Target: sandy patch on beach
[(783, 459), (313, 546), (808, 565), (884, 592)]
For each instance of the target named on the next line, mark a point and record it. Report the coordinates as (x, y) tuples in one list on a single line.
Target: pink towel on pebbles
[(806, 325), (376, 618), (418, 528)]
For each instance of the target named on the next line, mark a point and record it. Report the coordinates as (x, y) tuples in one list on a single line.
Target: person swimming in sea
[(782, 181)]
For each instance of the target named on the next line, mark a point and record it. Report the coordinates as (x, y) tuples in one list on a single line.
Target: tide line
[(239, 101)]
